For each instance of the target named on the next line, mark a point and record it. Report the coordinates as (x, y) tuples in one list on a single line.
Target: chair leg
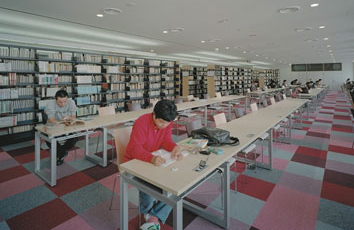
[(114, 187)]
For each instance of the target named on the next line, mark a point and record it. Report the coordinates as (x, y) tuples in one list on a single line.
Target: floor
[(311, 185)]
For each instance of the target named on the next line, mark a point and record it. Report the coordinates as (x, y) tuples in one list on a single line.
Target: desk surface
[(177, 182), (107, 120), (267, 91), (312, 92)]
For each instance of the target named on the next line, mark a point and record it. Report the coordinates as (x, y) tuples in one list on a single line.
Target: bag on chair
[(215, 136)]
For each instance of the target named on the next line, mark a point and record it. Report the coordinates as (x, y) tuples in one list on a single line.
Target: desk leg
[(206, 116), (86, 145), (270, 148), (37, 155), (290, 127), (123, 204), (53, 162), (178, 215), (104, 147), (246, 104), (226, 191)]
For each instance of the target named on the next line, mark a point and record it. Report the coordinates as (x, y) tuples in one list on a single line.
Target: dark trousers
[(65, 146)]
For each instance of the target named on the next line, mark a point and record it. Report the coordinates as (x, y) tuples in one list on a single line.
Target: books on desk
[(195, 143), (72, 122), (167, 156)]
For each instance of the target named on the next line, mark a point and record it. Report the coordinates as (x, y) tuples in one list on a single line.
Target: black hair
[(61, 93), (165, 110)]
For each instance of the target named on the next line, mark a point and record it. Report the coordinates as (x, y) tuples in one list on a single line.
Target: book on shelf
[(167, 156)]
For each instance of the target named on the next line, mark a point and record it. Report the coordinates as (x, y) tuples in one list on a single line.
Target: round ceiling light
[(176, 30), (112, 11), (303, 29), (311, 40), (289, 9)]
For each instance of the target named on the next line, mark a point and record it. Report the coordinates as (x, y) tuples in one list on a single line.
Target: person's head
[(165, 111), (284, 81), (61, 98)]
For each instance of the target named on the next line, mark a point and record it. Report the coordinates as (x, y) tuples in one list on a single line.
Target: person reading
[(151, 132), (62, 110)]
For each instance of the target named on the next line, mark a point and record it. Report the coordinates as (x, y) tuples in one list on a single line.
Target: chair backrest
[(265, 102), (134, 106), (238, 112), (218, 94), (220, 119), (108, 110), (178, 100), (206, 96), (248, 90), (272, 101), (196, 98), (153, 102), (254, 107), (190, 97), (193, 125), (284, 96), (121, 138)]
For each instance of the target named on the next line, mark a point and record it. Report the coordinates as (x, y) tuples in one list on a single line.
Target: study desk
[(55, 135), (313, 95), (260, 93), (172, 186)]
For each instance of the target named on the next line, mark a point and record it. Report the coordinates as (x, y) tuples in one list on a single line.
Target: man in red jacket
[(152, 132)]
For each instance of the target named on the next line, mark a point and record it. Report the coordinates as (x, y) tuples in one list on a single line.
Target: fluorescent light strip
[(261, 63), (218, 55)]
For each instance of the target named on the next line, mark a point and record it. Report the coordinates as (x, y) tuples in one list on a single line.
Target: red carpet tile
[(337, 193), (12, 173), (305, 128), (327, 107), (312, 152), (307, 122), (29, 157), (341, 110), (254, 187), (339, 178), (323, 121), (71, 183), (315, 134), (342, 128), (340, 117), (43, 217), (97, 173), (309, 160), (339, 149)]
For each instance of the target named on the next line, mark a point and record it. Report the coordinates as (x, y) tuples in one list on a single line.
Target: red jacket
[(146, 138)]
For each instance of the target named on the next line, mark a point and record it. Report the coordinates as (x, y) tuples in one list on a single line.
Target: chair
[(190, 97), (193, 125), (122, 136), (134, 106), (219, 119), (265, 103), (153, 102), (178, 100), (272, 101), (254, 107), (103, 111), (218, 95), (238, 112)]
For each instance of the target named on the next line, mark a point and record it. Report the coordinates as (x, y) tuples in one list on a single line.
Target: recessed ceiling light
[(328, 46), (330, 51), (289, 9), (176, 30), (237, 47), (112, 11), (257, 55), (202, 41), (130, 4), (303, 29), (314, 4), (331, 54), (214, 40), (325, 39), (99, 15), (322, 27), (216, 49), (274, 60), (165, 32), (227, 47), (244, 52), (222, 21), (152, 51), (311, 40), (266, 57)]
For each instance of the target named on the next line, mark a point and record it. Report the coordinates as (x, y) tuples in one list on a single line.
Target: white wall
[(333, 78)]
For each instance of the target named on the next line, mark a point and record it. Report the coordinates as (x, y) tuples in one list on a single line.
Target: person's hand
[(176, 153), (157, 160)]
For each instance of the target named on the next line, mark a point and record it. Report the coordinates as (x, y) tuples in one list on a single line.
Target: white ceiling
[(140, 27)]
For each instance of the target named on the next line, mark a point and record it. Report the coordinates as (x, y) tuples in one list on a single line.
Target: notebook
[(167, 156)]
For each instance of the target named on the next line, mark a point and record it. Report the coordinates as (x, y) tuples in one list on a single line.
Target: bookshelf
[(264, 76), (194, 81), (30, 77)]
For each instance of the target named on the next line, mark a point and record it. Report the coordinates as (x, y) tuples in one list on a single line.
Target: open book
[(72, 122), (167, 156)]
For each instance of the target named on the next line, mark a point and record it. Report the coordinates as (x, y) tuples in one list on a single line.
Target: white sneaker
[(149, 226)]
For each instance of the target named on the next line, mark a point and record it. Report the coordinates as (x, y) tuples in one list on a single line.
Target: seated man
[(152, 132), (60, 110)]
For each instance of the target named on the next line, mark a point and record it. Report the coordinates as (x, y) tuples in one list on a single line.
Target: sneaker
[(149, 226)]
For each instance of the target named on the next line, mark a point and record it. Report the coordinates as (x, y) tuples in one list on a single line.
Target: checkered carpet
[(310, 187)]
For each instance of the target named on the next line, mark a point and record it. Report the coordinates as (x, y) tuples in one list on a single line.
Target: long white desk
[(175, 185), (55, 135), (314, 95)]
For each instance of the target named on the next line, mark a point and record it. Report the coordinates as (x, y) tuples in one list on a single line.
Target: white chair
[(219, 119), (190, 97), (134, 106), (284, 96), (254, 107), (193, 125), (218, 95), (272, 101)]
